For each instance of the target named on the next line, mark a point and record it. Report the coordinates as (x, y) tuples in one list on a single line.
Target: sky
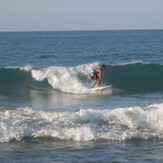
[(65, 15)]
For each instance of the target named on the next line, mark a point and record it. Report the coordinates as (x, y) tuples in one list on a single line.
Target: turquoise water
[(48, 114)]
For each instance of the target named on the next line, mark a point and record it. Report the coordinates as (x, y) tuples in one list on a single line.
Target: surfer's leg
[(98, 81), (94, 82)]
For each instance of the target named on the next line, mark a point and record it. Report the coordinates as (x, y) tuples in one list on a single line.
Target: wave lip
[(84, 125), (25, 68), (132, 62)]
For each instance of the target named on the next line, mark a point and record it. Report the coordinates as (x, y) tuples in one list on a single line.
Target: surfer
[(96, 76)]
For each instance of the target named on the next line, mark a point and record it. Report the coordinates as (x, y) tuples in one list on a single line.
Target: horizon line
[(84, 30)]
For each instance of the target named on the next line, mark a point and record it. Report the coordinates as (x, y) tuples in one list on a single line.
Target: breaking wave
[(130, 78), (86, 124)]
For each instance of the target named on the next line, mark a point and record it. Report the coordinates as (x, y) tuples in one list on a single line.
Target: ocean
[(48, 113)]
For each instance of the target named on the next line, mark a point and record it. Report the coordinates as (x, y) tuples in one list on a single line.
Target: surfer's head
[(103, 67)]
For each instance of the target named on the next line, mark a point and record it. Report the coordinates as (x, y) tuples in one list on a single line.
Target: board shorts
[(93, 75)]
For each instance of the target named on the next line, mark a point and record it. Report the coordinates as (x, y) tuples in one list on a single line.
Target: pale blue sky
[(51, 15)]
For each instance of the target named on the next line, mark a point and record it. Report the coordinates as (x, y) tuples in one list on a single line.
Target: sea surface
[(48, 112)]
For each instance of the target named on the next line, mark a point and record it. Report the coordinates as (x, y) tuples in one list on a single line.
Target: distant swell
[(129, 78)]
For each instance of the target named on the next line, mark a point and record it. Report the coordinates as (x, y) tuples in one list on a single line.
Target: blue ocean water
[(49, 114)]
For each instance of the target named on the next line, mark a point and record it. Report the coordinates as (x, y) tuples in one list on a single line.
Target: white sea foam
[(84, 125), (65, 79)]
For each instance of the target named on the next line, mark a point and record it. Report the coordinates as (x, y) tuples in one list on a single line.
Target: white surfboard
[(102, 88)]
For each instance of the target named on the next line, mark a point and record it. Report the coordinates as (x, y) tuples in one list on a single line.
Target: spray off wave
[(84, 125)]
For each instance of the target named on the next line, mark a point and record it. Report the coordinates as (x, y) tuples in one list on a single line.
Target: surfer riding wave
[(96, 76)]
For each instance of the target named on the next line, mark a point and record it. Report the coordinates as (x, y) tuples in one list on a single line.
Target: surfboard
[(102, 88)]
